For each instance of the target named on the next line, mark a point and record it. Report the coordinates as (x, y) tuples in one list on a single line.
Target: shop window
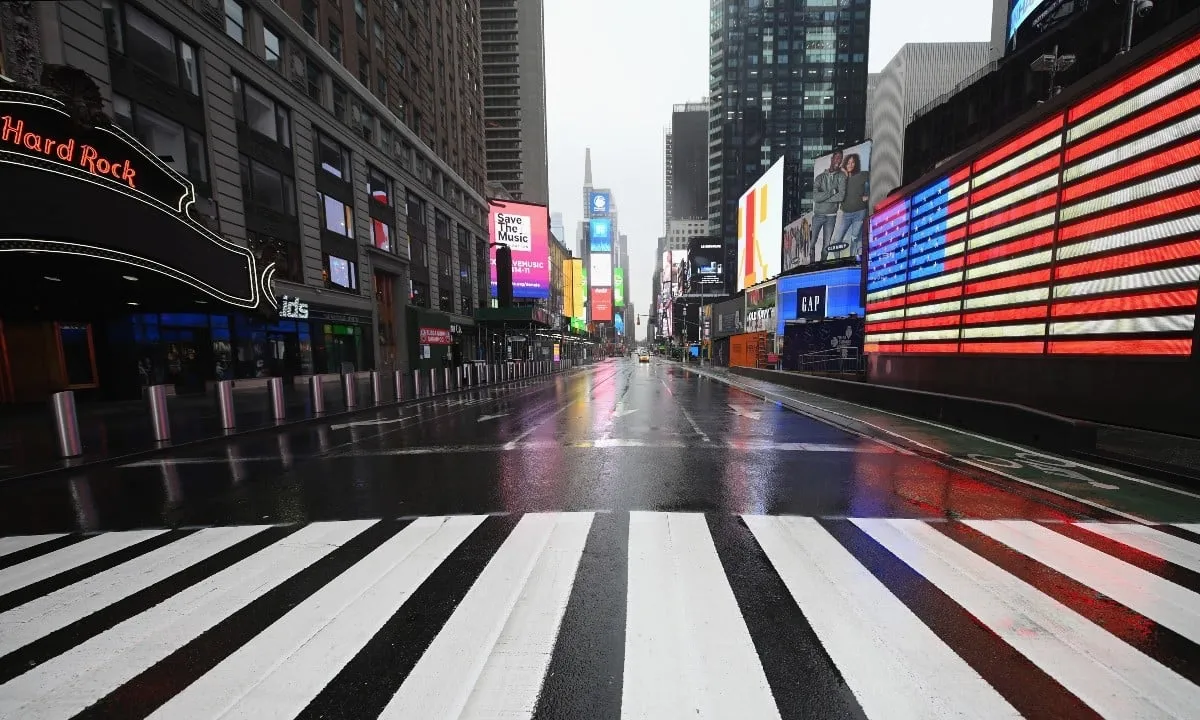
[(340, 273), (268, 188), (272, 47), (333, 158), (151, 46), (338, 216), (381, 235), (181, 148), (420, 294), (235, 21), (261, 113), (379, 186), (77, 355)]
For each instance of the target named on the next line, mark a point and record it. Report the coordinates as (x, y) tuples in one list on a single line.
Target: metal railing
[(834, 360)]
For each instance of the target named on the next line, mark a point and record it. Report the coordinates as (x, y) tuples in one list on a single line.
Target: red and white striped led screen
[(1081, 235)]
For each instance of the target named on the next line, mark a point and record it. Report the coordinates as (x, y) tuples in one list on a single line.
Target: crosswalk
[(605, 615)]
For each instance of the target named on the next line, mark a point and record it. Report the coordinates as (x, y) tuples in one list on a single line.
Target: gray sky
[(614, 69)]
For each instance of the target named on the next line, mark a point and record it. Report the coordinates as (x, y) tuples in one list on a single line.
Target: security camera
[(1143, 7)]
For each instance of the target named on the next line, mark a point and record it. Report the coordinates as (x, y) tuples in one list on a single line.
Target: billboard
[(525, 228), (760, 228), (600, 234), (842, 295), (1074, 236), (599, 203), (619, 322), (602, 310), (760, 308), (841, 185), (579, 296), (568, 285), (619, 287), (601, 270), (706, 266)]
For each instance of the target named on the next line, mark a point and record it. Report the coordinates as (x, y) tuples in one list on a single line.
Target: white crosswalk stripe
[(468, 617)]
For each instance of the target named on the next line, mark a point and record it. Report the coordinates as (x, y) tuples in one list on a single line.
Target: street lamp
[(1053, 63)]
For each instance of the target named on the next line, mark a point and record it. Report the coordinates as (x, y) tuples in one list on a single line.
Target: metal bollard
[(432, 381), (160, 419), (446, 378), (225, 404), (398, 385), (349, 391), (275, 392), (316, 393), (416, 376), (66, 424), (376, 388)]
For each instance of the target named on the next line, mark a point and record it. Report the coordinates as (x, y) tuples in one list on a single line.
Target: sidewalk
[(28, 443), (1129, 494)]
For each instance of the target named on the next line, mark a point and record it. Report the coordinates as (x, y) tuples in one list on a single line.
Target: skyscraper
[(688, 169), (918, 74), (514, 97), (785, 81)]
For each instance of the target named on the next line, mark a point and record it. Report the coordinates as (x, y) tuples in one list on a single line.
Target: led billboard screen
[(999, 255), (600, 272), (760, 228), (579, 294), (619, 287), (568, 284), (525, 228), (599, 203), (600, 234), (837, 225), (706, 266), (601, 303)]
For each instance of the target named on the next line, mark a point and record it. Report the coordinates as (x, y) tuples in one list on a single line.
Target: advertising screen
[(1020, 10), (568, 284), (760, 308), (579, 296), (760, 228), (601, 270), (619, 287), (706, 266), (600, 234), (599, 203), (619, 322), (837, 226), (1075, 236), (842, 291), (602, 310), (525, 228)]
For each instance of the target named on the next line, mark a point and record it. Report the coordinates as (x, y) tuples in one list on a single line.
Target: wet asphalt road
[(617, 435), (622, 541)]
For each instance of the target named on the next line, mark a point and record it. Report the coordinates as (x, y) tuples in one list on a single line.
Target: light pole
[(1053, 63), (1134, 8)]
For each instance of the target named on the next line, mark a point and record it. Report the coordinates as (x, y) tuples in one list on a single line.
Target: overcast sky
[(613, 71)]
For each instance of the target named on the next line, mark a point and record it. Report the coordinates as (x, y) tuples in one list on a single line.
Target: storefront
[(727, 320), (820, 320), (116, 283)]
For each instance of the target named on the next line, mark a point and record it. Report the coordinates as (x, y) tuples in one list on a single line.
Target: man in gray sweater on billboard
[(829, 190)]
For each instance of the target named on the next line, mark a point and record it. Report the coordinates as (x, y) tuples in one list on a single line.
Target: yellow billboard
[(579, 295), (568, 287)]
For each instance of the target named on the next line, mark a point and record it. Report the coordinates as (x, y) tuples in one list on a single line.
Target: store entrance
[(188, 358)]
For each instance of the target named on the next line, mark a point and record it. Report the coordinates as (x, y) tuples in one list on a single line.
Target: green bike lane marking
[(1121, 493)]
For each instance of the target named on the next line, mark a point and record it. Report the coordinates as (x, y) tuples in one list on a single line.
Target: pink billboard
[(525, 229)]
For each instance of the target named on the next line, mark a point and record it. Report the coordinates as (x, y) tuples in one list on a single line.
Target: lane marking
[(284, 667), (47, 566), (1106, 673), (490, 657), (895, 665), (791, 404), (688, 652), (16, 544), (751, 414), (485, 418), (365, 423), (1153, 542)]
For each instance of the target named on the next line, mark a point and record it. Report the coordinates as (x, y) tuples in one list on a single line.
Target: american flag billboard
[(1079, 236)]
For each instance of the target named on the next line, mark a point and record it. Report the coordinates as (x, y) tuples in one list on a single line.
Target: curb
[(238, 434)]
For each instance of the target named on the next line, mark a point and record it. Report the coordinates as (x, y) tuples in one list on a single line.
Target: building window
[(445, 299), (379, 186), (180, 147), (151, 46), (420, 252), (335, 41), (286, 255), (272, 48), (340, 273), (313, 79), (377, 31), (366, 123), (338, 216), (308, 17), (261, 113), (415, 209), (267, 188), (333, 158), (235, 21), (364, 71), (381, 85), (420, 294), (444, 268), (441, 226), (360, 17), (340, 101), (381, 235)]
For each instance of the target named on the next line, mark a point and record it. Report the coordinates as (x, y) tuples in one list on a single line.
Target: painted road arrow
[(623, 413), (485, 418), (752, 414), (364, 423)]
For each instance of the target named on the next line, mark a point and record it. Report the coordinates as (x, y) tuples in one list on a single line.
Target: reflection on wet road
[(622, 541)]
